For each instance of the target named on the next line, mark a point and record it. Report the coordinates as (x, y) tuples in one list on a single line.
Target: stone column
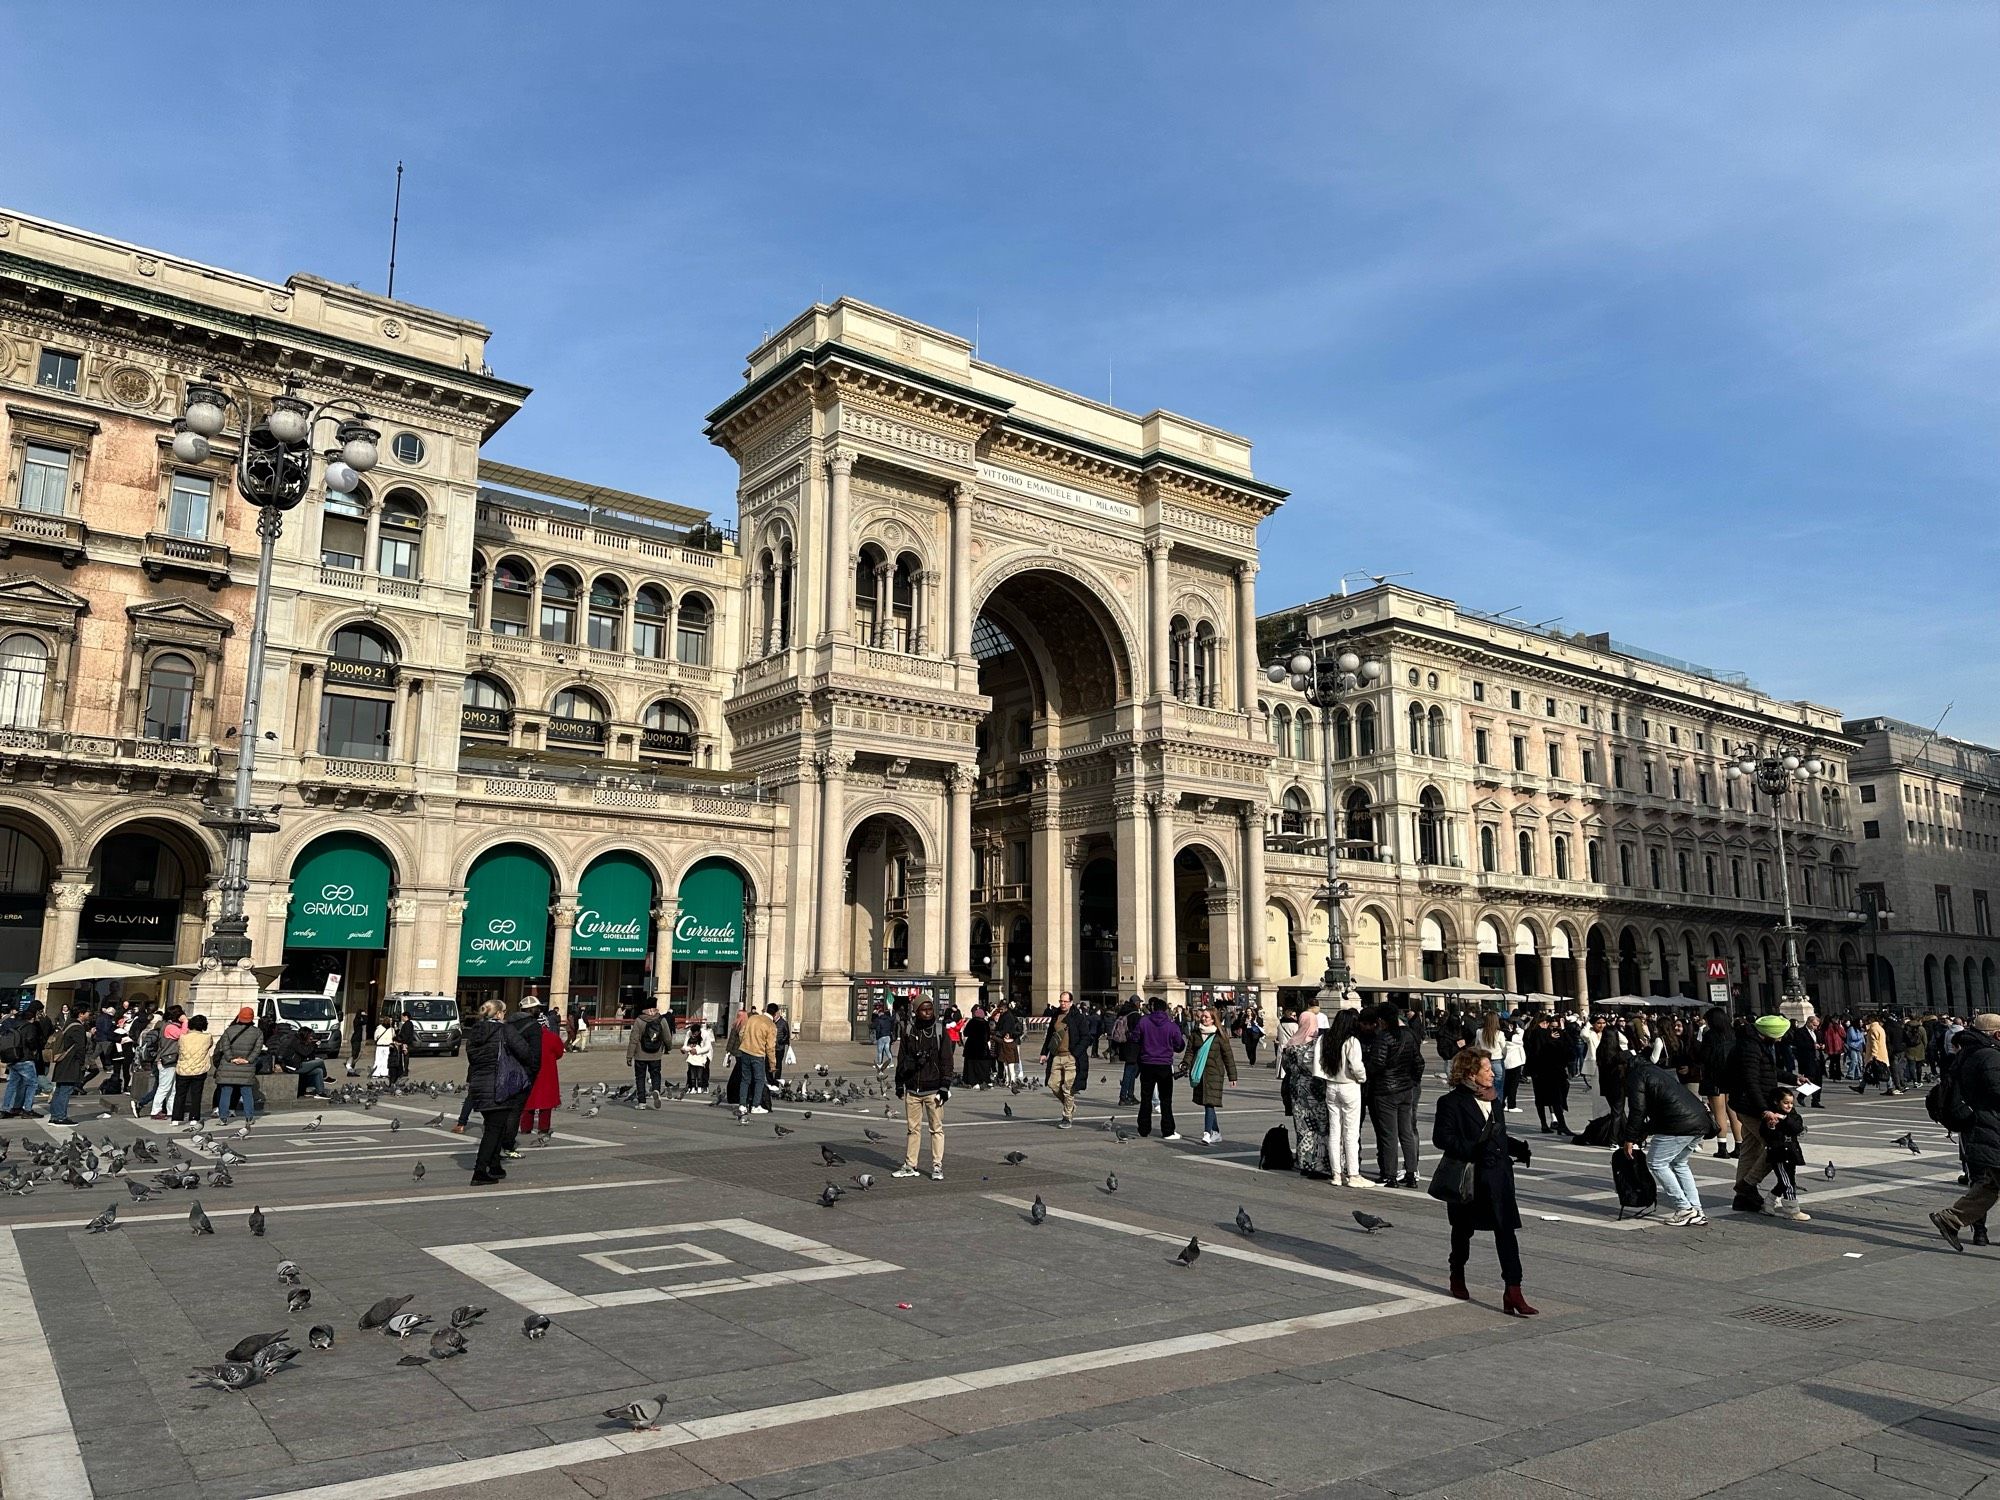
[(961, 572), (960, 877), (63, 917), (1166, 953), (372, 548), (559, 959), (486, 601), (1048, 974), (762, 917), (885, 606), (1246, 650), (1162, 610), (832, 894), (834, 619), (1253, 892), (665, 913), (1135, 938)]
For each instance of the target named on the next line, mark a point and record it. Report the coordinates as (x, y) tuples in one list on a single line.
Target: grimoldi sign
[(1038, 488), (340, 896), (506, 916)]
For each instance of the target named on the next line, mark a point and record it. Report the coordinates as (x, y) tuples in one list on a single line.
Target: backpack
[(1945, 1103), (1121, 1030), (1632, 1180), (149, 1048), (1275, 1155), (651, 1037), (12, 1045), (1596, 1133)]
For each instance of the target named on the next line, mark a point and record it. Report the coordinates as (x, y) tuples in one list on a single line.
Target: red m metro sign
[(1718, 968)]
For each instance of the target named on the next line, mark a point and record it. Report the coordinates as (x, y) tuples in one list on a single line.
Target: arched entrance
[(1197, 886), (710, 974), (888, 905), (146, 902), (1097, 931), (504, 938), (1527, 960), (1597, 964), (1562, 961), (612, 943), (337, 924), (1492, 956), (28, 858), (1628, 962)]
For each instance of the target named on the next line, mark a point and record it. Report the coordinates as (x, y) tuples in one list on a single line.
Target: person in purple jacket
[(1160, 1037)]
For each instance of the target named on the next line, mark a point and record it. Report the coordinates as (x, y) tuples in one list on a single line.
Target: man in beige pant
[(923, 1083), (1060, 1049)]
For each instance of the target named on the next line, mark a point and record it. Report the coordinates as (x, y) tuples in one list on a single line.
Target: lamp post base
[(1796, 1006), (219, 991)]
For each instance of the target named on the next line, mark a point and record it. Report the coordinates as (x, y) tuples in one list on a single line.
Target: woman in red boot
[(1472, 1128)]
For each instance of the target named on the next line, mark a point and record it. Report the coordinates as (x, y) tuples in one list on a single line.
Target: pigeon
[(435, 1122), (298, 1299), (873, 1135), (1908, 1138), (1007, 1110), (535, 1325), (257, 1221), (412, 1360), (402, 1325), (231, 1375), (394, 1126), (783, 1130), (1243, 1224), (139, 1191), (1038, 1211), (465, 1315), (1370, 1223), (830, 1156), (106, 1220), (198, 1221), (417, 1172), (446, 1343), (232, 1158), (273, 1357), (1111, 1182), (829, 1195), (314, 1124), (864, 1180), (1829, 1171), (1190, 1253), (245, 1348), (320, 1336), (593, 1111), (288, 1273), (1015, 1158), (642, 1415), (220, 1178), (382, 1311)]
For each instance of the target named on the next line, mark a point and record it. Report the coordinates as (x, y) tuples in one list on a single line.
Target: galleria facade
[(969, 698)]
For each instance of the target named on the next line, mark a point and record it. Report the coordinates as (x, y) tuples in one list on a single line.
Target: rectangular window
[(1479, 692), (1582, 714), (1646, 774), (1514, 697), (1615, 721), (354, 728), (395, 557), (45, 479), (1624, 864), (1549, 707), (1736, 878), (1520, 753), (343, 535), (1763, 881), (1653, 868), (1645, 729), (603, 631), (1701, 787), (1673, 734), (1479, 747), (1944, 916), (187, 506), (648, 640), (559, 624), (1590, 766), (1618, 770), (1982, 914), (1871, 829), (1700, 740), (1909, 828), (1593, 854), (1708, 872), (1868, 791), (1555, 760), (1681, 868), (1677, 783), (57, 371)]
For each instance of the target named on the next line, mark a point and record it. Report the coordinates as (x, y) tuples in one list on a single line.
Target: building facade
[(1549, 814), (1928, 807)]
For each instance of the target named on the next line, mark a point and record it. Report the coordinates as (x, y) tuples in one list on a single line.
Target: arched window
[(1360, 839), (486, 708), (903, 605), (400, 540), (576, 719), (1416, 740), (1303, 730), (1294, 811), (1364, 729), (1593, 854), (691, 638), (649, 623), (1204, 667), (1434, 727), (607, 613), (478, 601), (513, 589), (560, 588), (1489, 854), (169, 698), (667, 732), (343, 530), (24, 676), (1561, 847), (1281, 729), (359, 644), (870, 566), (778, 597), (357, 705), (1431, 841), (1343, 734), (1180, 672), (898, 946), (1524, 845)]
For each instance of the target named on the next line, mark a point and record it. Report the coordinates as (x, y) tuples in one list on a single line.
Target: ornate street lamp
[(1776, 775), (1325, 672), (274, 467)]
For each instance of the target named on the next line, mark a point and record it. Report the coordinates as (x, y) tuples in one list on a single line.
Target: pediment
[(1561, 819), (25, 591), (1486, 807), (179, 614)]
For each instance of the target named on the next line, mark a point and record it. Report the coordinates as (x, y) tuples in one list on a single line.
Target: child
[(1781, 1141)]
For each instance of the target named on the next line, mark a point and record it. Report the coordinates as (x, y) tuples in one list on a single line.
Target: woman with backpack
[(645, 1049), (165, 1052)]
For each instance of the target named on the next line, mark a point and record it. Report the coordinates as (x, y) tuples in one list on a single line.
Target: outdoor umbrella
[(88, 971)]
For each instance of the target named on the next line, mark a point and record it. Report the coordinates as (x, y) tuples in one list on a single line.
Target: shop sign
[(114, 919), (340, 896), (614, 910), (708, 928), (506, 917)]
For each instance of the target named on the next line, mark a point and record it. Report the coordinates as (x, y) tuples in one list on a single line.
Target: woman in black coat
[(1472, 1127), (485, 1041), (976, 1045), (1548, 1070)]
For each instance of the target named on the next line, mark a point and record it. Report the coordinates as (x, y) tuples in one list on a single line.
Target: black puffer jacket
[(1394, 1058), (1718, 1049), (1657, 1103), (483, 1041), (1977, 1074), (1757, 1070)]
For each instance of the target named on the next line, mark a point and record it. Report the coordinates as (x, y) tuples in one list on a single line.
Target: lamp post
[(274, 468), (1776, 775), (1325, 672)]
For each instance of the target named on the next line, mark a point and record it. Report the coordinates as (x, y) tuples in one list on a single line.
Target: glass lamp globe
[(1301, 664), (357, 446), (1734, 772), (204, 410), (1371, 671), (1277, 672), (1815, 766), (1349, 662), (287, 420), (341, 478), (1791, 762), (190, 447)]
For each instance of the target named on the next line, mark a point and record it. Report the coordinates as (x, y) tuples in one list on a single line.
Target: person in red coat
[(546, 1091)]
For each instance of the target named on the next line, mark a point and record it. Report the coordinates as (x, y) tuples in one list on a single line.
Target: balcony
[(99, 749), (741, 802), (570, 654), (900, 666), (701, 547), (165, 553), (354, 581), (1015, 893), (61, 537)]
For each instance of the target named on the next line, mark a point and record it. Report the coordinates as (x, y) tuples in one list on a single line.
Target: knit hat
[(1988, 1023), (1773, 1027)]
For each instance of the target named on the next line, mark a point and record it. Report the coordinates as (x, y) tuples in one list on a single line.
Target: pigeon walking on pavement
[(1111, 1182), (642, 1415), (1370, 1223), (1190, 1252), (198, 1221), (830, 1156), (402, 1325), (465, 1315), (245, 1348), (1038, 1211), (383, 1311), (298, 1299), (1908, 1139), (535, 1325), (1243, 1224), (320, 1336), (257, 1221), (446, 1343), (106, 1220)]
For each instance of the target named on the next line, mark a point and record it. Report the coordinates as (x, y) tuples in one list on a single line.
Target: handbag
[(1455, 1178), (509, 1076)]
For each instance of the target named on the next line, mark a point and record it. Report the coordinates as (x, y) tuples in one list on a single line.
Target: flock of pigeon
[(258, 1356)]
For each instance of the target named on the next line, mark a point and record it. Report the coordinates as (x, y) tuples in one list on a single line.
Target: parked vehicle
[(309, 1010), (433, 1016)]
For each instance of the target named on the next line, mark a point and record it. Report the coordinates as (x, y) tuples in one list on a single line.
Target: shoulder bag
[(1454, 1180)]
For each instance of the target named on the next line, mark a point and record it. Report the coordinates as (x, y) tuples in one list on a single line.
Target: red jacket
[(546, 1091)]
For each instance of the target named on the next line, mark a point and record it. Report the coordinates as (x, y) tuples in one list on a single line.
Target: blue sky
[(1676, 321)]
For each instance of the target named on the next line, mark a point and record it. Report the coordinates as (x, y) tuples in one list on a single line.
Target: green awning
[(506, 916), (340, 895), (709, 926), (614, 909)]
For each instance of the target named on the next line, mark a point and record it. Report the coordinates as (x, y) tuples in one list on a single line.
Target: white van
[(433, 1016), (309, 1010)]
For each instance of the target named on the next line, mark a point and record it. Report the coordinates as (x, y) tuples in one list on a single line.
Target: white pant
[(381, 1060), (163, 1092), (1343, 1107)]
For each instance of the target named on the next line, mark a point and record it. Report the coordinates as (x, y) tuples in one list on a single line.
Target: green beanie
[(1774, 1027)]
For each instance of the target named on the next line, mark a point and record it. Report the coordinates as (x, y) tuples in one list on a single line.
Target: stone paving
[(925, 1339)]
